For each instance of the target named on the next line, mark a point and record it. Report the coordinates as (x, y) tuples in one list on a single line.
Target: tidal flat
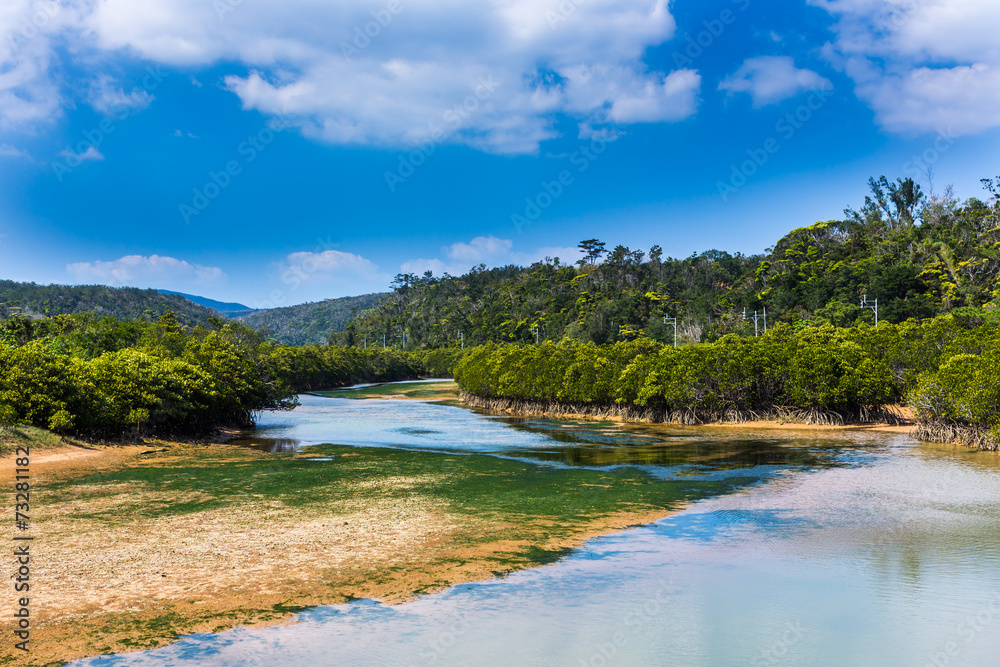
[(136, 550)]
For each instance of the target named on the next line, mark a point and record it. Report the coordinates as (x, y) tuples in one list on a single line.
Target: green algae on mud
[(488, 516), (445, 389), (206, 478)]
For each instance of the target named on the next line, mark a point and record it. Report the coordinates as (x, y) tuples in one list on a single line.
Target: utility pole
[(756, 317), (461, 336), (383, 341), (870, 304), (534, 330), (672, 320), (366, 342)]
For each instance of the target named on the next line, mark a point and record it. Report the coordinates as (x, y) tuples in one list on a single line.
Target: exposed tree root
[(961, 434), (687, 416)]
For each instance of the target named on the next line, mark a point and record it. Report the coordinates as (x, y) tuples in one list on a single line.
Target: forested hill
[(310, 323), (294, 325), (919, 255), (227, 308), (124, 303)]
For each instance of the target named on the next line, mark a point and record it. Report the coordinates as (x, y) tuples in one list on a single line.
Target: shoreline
[(632, 415), (117, 574), (269, 560), (904, 421)]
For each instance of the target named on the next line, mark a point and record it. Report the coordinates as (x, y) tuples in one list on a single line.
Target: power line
[(755, 317), (673, 321), (870, 304)]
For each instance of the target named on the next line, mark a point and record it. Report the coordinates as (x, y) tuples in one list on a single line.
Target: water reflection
[(664, 450), (850, 548), (890, 555), (272, 445)]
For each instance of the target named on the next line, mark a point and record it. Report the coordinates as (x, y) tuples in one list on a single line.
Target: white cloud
[(107, 96), (772, 79), (321, 265), (91, 154), (479, 249), (415, 76), (566, 255), (488, 250), (29, 90), (141, 271), (435, 266), (305, 276), (6, 150), (922, 66)]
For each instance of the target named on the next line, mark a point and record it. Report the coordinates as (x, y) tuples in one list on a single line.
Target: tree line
[(919, 254), (124, 303), (102, 377), (946, 368)]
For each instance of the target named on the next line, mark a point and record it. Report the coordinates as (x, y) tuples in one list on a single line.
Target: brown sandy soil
[(138, 583), (54, 458), (100, 587), (440, 395), (906, 428), (906, 413)]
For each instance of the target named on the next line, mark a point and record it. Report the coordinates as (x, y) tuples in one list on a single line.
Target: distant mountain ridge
[(120, 302), (304, 324), (227, 308), (310, 323)]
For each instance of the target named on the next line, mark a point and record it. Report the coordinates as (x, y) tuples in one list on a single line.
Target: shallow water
[(849, 549)]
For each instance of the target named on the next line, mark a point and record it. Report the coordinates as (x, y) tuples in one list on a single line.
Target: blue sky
[(273, 153)]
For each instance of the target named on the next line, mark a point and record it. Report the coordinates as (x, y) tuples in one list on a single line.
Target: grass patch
[(493, 516), (423, 390), (12, 437), (485, 486)]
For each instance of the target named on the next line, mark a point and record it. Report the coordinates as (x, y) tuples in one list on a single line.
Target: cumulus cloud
[(29, 95), (105, 95), (320, 265), (91, 154), (6, 150), (323, 274), (141, 271), (772, 79), (926, 66), (489, 250), (479, 249), (493, 76)]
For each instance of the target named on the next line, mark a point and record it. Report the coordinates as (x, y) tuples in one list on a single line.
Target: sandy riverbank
[(136, 545), (119, 565)]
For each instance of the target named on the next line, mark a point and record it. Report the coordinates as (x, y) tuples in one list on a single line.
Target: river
[(836, 548)]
